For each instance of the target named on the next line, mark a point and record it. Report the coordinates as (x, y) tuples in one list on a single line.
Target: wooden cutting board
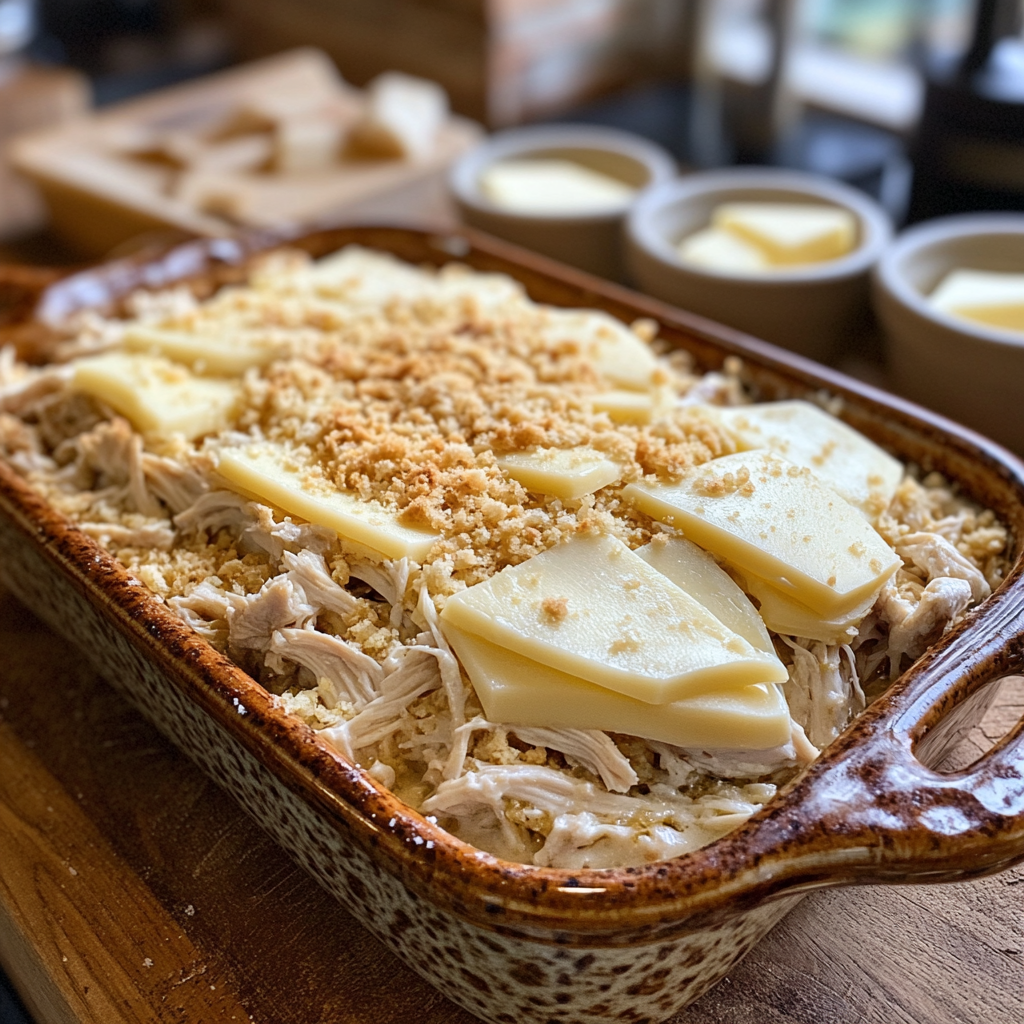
[(133, 890)]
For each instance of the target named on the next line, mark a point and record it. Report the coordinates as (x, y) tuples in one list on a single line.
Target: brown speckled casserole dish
[(515, 943)]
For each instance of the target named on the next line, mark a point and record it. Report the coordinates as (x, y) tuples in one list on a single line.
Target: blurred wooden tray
[(100, 197)]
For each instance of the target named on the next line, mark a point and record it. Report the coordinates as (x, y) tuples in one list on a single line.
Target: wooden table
[(133, 890)]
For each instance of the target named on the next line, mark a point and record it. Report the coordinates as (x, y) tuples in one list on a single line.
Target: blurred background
[(839, 87)]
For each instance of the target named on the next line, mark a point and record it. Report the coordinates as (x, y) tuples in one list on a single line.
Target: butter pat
[(549, 186), (773, 519), (566, 473), (692, 569), (987, 297), (274, 476), (517, 691), (806, 435), (221, 354), (718, 249), (617, 353), (156, 395), (593, 609), (790, 233)]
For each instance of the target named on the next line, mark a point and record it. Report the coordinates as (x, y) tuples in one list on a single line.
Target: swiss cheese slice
[(790, 233), (625, 406), (221, 354), (276, 477), (718, 249), (988, 297), (791, 618), (806, 435), (156, 395), (618, 354), (593, 609), (773, 519), (517, 691), (564, 472), (692, 569), (362, 277)]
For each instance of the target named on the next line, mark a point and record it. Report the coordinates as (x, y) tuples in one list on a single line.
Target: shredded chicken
[(403, 385), (823, 690), (914, 626), (342, 672)]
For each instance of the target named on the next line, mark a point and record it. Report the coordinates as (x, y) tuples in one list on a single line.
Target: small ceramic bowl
[(591, 241), (969, 371), (808, 309)]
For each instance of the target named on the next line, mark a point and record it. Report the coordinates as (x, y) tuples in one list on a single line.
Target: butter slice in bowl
[(753, 237), (556, 186), (791, 233), (985, 296), (718, 248)]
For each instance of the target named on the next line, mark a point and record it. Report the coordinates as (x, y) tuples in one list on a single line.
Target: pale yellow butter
[(718, 249), (274, 476), (790, 233), (156, 395), (987, 297), (566, 473), (806, 435), (517, 691), (592, 608), (692, 569), (552, 186), (773, 519)]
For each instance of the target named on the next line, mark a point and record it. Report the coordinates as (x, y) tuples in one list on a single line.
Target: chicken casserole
[(326, 472)]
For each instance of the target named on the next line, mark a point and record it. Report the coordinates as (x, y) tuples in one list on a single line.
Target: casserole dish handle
[(876, 809)]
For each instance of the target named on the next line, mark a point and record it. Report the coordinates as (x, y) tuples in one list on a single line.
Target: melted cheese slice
[(156, 395), (618, 354), (791, 618), (593, 609), (275, 477), (773, 519), (564, 472), (718, 249), (517, 691), (790, 233), (625, 406), (695, 571), (218, 354), (808, 436), (982, 295)]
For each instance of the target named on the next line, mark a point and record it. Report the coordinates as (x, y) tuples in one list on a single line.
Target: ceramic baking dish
[(514, 943)]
